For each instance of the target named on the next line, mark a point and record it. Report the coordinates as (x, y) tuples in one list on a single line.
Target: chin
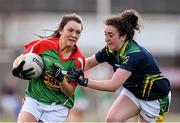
[(111, 48), (71, 44)]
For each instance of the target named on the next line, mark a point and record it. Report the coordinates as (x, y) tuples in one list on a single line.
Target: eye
[(105, 34), (78, 32), (70, 30), (111, 35)]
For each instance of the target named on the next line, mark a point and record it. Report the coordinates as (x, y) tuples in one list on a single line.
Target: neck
[(65, 50), (120, 46)]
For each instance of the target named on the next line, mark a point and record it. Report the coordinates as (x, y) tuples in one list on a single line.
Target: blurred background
[(20, 20)]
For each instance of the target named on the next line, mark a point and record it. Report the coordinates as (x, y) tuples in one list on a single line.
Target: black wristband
[(84, 82)]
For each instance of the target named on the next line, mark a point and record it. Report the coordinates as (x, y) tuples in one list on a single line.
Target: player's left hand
[(23, 74), (78, 76)]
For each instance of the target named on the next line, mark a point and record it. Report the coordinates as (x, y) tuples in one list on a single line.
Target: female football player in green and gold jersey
[(146, 92)]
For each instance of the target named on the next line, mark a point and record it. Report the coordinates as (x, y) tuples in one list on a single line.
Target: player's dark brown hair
[(126, 23), (65, 20)]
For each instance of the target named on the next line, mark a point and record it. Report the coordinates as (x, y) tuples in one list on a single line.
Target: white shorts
[(151, 111), (44, 112)]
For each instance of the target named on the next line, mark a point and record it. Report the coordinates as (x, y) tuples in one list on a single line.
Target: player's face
[(113, 39), (70, 33)]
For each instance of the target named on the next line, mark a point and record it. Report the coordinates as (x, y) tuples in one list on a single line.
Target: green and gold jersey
[(48, 50), (146, 81)]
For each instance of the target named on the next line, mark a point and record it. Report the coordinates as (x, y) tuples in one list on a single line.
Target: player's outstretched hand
[(23, 74), (77, 76)]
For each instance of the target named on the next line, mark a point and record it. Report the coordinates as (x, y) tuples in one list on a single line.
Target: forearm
[(119, 77), (102, 85), (67, 88), (90, 63)]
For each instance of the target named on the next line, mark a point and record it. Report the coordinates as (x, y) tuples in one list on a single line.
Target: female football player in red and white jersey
[(49, 97)]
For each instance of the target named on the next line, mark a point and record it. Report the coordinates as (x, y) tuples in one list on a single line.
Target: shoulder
[(41, 45), (104, 54), (105, 50), (133, 47), (139, 51)]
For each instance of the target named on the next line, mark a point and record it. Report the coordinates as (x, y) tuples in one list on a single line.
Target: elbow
[(115, 85), (113, 89), (69, 94)]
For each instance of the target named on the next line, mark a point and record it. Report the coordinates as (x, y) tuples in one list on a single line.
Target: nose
[(74, 34), (106, 39)]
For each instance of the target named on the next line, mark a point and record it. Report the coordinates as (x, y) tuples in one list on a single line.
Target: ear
[(124, 37)]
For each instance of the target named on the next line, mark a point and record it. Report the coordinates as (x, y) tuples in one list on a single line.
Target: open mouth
[(109, 44), (71, 40)]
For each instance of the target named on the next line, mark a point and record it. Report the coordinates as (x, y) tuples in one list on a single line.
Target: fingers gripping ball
[(33, 65), (19, 72)]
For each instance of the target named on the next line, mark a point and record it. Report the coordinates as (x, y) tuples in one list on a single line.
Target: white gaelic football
[(32, 60)]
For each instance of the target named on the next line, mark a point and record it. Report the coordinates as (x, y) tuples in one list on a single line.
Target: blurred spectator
[(77, 114), (103, 106), (10, 99)]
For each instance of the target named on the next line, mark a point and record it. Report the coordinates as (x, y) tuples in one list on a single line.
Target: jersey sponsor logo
[(46, 59), (51, 82)]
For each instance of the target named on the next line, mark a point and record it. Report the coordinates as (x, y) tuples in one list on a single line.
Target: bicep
[(90, 62)]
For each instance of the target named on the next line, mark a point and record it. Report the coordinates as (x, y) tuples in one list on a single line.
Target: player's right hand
[(53, 77), (77, 76), (23, 74)]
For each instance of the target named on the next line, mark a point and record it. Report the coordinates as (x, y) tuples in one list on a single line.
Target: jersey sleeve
[(39, 46), (29, 45), (79, 59), (80, 62), (102, 55), (130, 61)]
